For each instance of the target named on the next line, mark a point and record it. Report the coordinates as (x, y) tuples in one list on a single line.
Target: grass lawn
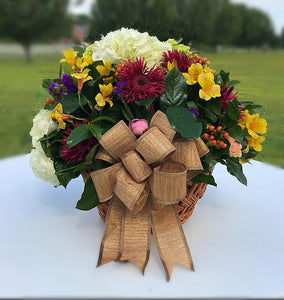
[(261, 75)]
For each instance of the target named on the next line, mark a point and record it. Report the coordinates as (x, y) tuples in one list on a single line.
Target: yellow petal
[(100, 100), (194, 71), (58, 108), (109, 101), (214, 91), (203, 95), (206, 80), (61, 124)]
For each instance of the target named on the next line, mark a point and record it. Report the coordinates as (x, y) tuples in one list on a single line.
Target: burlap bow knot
[(147, 178)]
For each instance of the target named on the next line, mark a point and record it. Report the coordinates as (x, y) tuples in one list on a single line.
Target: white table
[(49, 249)]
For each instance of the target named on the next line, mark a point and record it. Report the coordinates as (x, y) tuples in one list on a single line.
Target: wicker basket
[(185, 207)]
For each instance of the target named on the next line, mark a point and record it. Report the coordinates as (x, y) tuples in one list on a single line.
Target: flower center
[(141, 82)]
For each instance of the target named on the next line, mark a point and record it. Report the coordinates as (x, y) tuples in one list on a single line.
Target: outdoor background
[(245, 39)]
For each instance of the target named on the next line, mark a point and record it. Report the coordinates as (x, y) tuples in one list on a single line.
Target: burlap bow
[(147, 178)]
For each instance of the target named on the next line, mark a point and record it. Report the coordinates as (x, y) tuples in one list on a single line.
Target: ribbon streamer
[(147, 178)]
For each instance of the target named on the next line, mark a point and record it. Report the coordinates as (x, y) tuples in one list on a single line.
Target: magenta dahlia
[(77, 153), (182, 61), (141, 82)]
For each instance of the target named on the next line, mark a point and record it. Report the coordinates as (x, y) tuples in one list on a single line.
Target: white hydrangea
[(42, 165), (120, 45)]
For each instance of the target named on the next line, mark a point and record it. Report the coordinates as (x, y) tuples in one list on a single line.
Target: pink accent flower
[(142, 82), (235, 148), (181, 60), (138, 126), (79, 152), (227, 95)]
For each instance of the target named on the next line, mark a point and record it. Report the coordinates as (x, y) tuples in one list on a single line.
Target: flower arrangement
[(131, 77)]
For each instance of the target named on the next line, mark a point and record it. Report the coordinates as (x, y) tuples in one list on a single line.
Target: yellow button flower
[(103, 96), (208, 87), (193, 73), (58, 115), (70, 57)]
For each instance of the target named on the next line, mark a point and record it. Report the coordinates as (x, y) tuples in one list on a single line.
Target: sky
[(274, 8)]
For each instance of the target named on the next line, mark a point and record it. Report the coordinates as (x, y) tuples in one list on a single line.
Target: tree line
[(202, 22)]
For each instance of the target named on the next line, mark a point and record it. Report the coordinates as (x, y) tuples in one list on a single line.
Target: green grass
[(261, 75)]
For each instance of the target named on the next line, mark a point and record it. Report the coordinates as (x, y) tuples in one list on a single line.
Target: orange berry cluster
[(215, 136), (49, 101), (201, 60)]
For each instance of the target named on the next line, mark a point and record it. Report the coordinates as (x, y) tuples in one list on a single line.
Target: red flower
[(142, 83), (181, 60), (227, 95), (77, 153)]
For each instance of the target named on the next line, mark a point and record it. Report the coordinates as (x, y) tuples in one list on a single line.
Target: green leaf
[(145, 102), (218, 79), (236, 132), (95, 130), (89, 198), (78, 134), (184, 122), (104, 118), (233, 111), (70, 103), (209, 179), (64, 172), (253, 108), (225, 76), (176, 90), (79, 49), (92, 153), (46, 83), (232, 82), (235, 168)]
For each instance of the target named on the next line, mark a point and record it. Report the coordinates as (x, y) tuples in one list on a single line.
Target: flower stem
[(127, 109), (80, 103)]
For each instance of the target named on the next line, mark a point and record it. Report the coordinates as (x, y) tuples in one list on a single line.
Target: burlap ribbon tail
[(146, 179)]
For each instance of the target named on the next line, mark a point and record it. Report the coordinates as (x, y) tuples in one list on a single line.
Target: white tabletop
[(50, 249)]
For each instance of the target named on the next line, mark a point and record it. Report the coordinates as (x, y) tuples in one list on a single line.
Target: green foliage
[(184, 122), (70, 103), (89, 198), (176, 90), (205, 178)]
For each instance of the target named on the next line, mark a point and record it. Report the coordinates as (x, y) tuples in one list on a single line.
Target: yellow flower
[(208, 87), (253, 123), (105, 69), (193, 73), (255, 143), (58, 115), (70, 57), (88, 59), (102, 97), (82, 77), (171, 65)]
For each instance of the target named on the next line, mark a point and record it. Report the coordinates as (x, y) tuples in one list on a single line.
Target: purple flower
[(68, 83), (118, 90), (195, 111), (55, 89)]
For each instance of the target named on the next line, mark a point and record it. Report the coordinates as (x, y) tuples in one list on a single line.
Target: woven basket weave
[(185, 207)]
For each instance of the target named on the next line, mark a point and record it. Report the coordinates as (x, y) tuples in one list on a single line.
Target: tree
[(26, 21)]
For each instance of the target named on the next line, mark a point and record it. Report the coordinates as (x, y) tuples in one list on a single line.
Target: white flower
[(42, 165), (42, 124), (120, 45)]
